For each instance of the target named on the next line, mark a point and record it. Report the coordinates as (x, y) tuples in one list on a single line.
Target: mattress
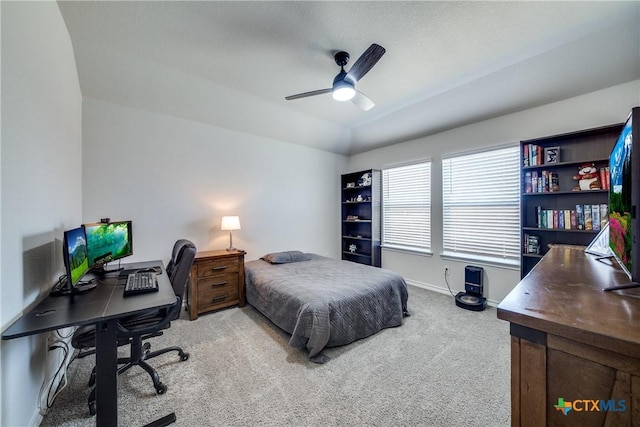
[(323, 302)]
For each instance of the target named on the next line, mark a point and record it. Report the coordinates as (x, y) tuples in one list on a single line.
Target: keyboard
[(140, 283)]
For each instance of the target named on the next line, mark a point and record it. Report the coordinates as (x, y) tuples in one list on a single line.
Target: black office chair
[(135, 329)]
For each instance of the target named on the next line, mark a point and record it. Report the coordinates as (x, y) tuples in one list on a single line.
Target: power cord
[(446, 280), (58, 343)]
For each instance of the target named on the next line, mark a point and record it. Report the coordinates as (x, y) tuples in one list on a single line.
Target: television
[(76, 264), (108, 241), (624, 199)]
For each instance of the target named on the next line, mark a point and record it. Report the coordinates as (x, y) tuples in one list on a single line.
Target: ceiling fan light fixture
[(343, 91)]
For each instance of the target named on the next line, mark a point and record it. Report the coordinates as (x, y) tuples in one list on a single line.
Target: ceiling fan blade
[(366, 62), (306, 94), (362, 101)]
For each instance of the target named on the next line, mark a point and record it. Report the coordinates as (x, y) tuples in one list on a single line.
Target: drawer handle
[(218, 299), (219, 284), (222, 267)]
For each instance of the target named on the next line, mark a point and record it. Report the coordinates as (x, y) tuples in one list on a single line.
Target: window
[(481, 211), (406, 207)]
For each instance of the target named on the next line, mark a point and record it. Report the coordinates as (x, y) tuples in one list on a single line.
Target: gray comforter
[(324, 302)]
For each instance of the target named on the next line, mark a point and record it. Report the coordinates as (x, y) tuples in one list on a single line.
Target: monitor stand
[(625, 286), (102, 270), (76, 290)]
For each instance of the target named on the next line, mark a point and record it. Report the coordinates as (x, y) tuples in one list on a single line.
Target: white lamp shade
[(230, 223)]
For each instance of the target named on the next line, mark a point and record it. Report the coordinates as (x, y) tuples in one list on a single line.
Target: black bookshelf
[(361, 193), (557, 192)]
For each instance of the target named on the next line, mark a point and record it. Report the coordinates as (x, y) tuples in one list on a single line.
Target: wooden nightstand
[(217, 281)]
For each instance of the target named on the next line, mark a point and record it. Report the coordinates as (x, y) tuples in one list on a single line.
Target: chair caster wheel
[(184, 357), (146, 347), (161, 388), (92, 408)]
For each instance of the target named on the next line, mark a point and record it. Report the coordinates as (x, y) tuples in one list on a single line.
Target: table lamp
[(230, 223)]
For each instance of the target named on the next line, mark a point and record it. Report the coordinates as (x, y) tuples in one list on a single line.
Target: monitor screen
[(108, 241), (622, 218), (76, 260)]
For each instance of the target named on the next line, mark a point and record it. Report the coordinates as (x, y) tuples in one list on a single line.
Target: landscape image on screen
[(108, 241), (77, 250), (620, 198)]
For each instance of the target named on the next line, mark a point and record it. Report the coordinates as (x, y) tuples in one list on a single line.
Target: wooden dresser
[(574, 345), (217, 281)]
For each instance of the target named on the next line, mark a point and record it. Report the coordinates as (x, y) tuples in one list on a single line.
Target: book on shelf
[(541, 182), (595, 217), (588, 219), (583, 217), (604, 215), (579, 217), (605, 178), (531, 244), (532, 155), (567, 219)]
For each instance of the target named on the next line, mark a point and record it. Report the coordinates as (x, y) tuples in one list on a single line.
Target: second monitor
[(108, 242)]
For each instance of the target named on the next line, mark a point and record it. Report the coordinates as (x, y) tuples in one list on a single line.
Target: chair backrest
[(184, 252)]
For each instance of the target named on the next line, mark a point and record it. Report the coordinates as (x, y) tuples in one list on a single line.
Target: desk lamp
[(230, 223)]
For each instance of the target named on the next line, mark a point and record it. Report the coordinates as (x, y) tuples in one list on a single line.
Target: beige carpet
[(444, 367)]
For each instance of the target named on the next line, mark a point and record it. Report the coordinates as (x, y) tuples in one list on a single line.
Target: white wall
[(176, 178), (599, 108), (41, 183)]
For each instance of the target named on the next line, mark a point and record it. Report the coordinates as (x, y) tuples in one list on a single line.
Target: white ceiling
[(447, 64)]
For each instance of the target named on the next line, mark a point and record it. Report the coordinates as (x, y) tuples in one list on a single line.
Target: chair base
[(139, 354)]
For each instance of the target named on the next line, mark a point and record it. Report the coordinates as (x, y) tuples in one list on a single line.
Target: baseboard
[(441, 290)]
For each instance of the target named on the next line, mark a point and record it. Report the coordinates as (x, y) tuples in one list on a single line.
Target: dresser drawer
[(218, 266)]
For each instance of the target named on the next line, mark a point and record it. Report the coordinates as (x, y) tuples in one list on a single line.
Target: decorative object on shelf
[(351, 184), (365, 181), (353, 248), (359, 198), (588, 178), (230, 223), (353, 218), (551, 155)]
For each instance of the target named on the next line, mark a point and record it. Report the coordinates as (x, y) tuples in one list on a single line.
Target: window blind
[(406, 207), (481, 210)]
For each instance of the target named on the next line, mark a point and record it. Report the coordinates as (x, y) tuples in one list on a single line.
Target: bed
[(323, 302)]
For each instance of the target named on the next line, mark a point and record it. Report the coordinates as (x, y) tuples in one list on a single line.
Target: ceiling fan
[(344, 83)]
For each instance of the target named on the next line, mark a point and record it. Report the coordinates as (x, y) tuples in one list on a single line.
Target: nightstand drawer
[(217, 282), (218, 266), (219, 297)]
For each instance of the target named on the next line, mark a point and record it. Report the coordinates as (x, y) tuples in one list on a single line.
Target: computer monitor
[(76, 263), (624, 200), (108, 241)]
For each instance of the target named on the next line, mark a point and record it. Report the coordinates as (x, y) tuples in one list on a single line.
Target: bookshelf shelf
[(591, 146), (562, 193), (558, 230)]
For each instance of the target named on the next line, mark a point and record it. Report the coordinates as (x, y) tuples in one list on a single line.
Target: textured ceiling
[(231, 64)]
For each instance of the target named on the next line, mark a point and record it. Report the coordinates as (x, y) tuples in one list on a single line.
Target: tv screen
[(624, 164), (108, 241), (76, 260)]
